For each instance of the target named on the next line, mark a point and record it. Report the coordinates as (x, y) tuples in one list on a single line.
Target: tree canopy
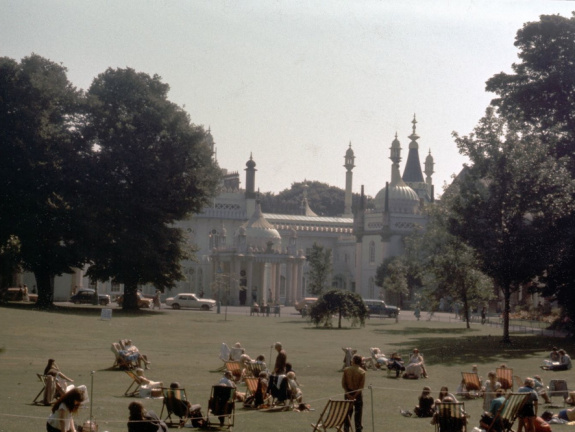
[(323, 199), (97, 178), (320, 267), (539, 95), (152, 167), (509, 203), (343, 304), (43, 157)]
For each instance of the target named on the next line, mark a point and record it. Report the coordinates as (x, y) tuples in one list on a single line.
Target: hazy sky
[(293, 82)]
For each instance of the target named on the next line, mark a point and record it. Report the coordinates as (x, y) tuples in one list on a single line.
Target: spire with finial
[(413, 137), (412, 172)]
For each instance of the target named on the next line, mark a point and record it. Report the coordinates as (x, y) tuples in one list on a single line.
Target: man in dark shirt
[(281, 360)]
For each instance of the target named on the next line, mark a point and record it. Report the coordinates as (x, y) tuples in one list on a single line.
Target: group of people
[(558, 360), (131, 354)]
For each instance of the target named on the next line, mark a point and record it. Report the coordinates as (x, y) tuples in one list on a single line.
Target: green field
[(184, 346)]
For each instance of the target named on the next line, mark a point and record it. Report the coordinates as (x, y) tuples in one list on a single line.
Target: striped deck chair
[(253, 368), (450, 417), (505, 378), (334, 415), (472, 383), (235, 367), (251, 386), (509, 410)]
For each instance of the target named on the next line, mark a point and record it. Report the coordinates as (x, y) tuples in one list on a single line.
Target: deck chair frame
[(179, 409), (558, 387), (135, 382), (334, 415), (222, 406), (505, 378), (38, 399), (450, 417), (509, 411)]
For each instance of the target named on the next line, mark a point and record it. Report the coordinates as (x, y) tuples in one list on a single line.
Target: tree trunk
[(339, 320), (130, 302), (466, 307), (506, 310), (45, 285)]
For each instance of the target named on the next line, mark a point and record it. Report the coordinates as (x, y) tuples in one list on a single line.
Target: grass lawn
[(184, 346)]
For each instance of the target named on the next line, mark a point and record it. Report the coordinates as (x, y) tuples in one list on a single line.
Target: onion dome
[(259, 231)]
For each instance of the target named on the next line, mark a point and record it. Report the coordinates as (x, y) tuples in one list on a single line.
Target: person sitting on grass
[(141, 420), (426, 404)]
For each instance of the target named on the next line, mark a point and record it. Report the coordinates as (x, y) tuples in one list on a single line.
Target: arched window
[(372, 251)]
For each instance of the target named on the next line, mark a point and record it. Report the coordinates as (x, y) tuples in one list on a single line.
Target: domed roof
[(402, 199), (259, 231), (250, 163), (349, 152)]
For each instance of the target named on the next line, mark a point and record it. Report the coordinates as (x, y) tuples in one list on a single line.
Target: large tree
[(43, 154), (320, 267), (450, 267), (509, 203), (151, 168), (540, 95)]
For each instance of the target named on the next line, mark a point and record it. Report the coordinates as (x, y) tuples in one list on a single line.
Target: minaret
[(250, 186), (349, 165), (395, 157), (429, 172)]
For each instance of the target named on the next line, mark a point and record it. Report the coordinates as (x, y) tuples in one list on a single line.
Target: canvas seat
[(509, 411), (505, 378), (253, 369), (235, 367), (472, 383), (222, 406), (334, 415), (450, 417), (176, 403)]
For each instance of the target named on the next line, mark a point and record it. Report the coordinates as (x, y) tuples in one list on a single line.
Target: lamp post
[(219, 286)]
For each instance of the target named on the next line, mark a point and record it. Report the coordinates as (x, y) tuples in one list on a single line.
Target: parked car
[(16, 294), (304, 303), (378, 307), (189, 300), (86, 296), (143, 302)]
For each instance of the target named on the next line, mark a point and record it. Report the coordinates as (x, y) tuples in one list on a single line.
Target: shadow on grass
[(82, 310), (472, 349)]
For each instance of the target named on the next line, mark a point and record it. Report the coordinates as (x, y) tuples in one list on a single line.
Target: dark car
[(86, 296), (378, 307)]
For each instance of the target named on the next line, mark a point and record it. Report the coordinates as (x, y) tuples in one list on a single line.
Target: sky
[(294, 82)]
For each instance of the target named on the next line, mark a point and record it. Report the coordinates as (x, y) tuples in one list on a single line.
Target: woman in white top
[(489, 388), (61, 419)]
